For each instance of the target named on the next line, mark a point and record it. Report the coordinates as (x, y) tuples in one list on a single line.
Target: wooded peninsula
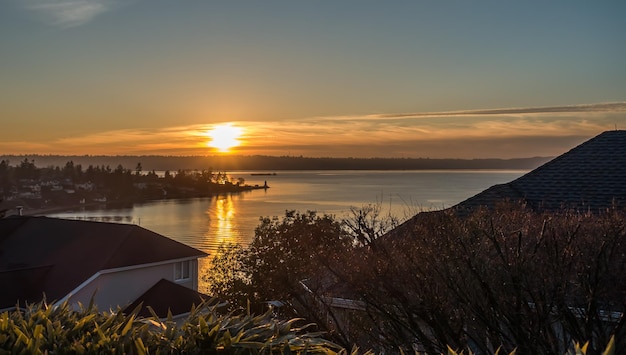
[(24, 187)]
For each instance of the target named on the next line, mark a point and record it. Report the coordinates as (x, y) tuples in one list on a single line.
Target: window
[(182, 270)]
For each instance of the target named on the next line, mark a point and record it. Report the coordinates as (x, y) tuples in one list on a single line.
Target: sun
[(224, 137)]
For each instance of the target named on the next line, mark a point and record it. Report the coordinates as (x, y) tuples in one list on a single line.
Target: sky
[(323, 78)]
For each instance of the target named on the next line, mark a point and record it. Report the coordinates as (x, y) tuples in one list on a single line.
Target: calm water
[(204, 223)]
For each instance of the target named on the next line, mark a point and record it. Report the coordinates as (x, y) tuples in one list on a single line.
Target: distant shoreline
[(277, 163), (57, 209), (26, 210)]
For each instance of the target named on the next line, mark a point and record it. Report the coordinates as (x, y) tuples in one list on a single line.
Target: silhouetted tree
[(285, 252), (27, 170), (367, 224), (6, 177), (284, 255)]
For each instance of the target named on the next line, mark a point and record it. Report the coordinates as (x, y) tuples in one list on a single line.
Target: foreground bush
[(45, 329)]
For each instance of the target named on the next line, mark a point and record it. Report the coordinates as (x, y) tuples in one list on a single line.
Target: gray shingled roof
[(41, 254), (591, 176), (167, 296)]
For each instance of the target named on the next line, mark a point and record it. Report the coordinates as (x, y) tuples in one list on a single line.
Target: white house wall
[(120, 288)]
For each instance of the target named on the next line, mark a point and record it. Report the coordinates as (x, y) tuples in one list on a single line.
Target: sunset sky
[(332, 78)]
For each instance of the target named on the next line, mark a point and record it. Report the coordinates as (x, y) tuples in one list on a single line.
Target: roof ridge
[(21, 219), (568, 154), (590, 175), (120, 242)]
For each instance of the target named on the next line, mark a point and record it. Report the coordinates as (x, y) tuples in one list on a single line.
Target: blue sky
[(314, 78)]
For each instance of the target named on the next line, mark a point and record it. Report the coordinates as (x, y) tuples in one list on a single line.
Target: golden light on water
[(224, 137), (224, 213), (220, 232)]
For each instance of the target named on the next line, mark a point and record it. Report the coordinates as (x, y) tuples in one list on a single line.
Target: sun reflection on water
[(224, 215), (221, 229)]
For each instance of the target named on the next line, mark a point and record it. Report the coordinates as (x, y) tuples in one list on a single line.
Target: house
[(590, 177), (87, 186), (75, 261)]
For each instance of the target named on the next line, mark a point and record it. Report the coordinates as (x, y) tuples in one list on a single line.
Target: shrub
[(45, 329), (508, 277)]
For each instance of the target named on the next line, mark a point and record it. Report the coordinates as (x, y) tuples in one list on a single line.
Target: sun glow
[(224, 137)]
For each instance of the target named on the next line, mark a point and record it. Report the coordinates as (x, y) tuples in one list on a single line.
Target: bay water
[(204, 223)]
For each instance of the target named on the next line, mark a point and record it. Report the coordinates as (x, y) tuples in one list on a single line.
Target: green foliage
[(286, 252), (44, 329)]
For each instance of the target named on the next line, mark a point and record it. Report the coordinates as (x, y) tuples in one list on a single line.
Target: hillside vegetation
[(508, 278)]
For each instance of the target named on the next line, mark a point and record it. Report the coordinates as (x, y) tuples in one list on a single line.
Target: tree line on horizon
[(271, 163)]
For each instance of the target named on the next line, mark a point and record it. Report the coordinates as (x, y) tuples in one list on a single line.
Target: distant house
[(75, 261), (87, 186), (590, 177)]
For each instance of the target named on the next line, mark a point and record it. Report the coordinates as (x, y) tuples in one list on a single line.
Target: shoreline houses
[(115, 264)]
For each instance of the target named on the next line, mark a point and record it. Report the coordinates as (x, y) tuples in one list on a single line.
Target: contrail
[(600, 107)]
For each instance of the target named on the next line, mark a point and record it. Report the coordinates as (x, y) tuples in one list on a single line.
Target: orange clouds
[(500, 133)]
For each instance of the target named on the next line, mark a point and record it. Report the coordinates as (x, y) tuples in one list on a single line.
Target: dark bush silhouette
[(506, 277)]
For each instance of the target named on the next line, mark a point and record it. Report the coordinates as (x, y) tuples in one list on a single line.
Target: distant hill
[(273, 163)]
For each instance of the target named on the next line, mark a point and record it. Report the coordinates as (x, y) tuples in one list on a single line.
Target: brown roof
[(167, 296), (41, 254), (591, 176)]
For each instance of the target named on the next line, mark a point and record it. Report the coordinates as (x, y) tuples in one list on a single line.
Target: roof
[(591, 176), (167, 296), (41, 254)]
